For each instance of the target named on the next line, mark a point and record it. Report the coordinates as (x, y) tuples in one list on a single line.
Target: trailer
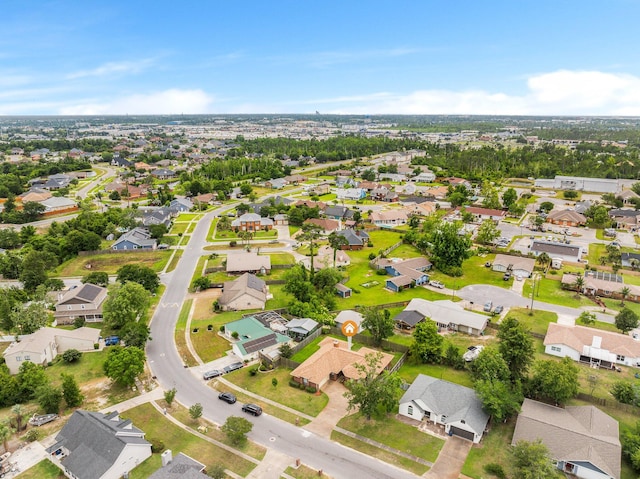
[(39, 420)]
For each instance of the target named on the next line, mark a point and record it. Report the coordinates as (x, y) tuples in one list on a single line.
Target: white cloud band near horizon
[(562, 92)]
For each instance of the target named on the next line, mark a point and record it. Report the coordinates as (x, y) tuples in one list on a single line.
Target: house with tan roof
[(334, 360), (600, 283), (582, 440), (449, 316), (246, 292), (389, 218), (324, 258), (517, 265), (628, 197), (248, 262), (595, 347), (326, 225), (481, 214), (83, 302), (566, 218)]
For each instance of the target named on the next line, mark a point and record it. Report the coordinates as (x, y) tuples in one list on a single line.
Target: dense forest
[(58, 144)]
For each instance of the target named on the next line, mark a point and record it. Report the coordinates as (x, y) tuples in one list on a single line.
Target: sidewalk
[(153, 395)]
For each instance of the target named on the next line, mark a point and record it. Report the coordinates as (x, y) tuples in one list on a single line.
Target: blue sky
[(405, 57)]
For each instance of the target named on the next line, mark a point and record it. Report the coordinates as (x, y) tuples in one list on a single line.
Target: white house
[(449, 315), (518, 265)]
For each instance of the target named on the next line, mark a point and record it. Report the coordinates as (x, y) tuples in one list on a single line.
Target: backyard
[(111, 262)]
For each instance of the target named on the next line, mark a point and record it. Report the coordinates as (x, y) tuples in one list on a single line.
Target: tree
[(546, 206), (500, 399), (136, 334), (449, 249), (625, 392), (626, 320), (170, 395), (285, 350), (49, 398), (490, 366), (236, 428), (630, 439), (310, 233), (531, 461), (336, 242), (124, 304), (555, 381), (487, 232), (217, 471), (18, 415), (195, 411), (123, 365), (29, 319), (246, 189), (70, 391), (325, 281), (377, 323), (158, 231), (587, 318), (624, 292), (373, 392), (509, 197), (427, 343), (578, 284), (544, 259), (71, 355), (516, 347), (296, 283), (143, 275), (99, 278), (5, 434), (34, 268), (30, 377)]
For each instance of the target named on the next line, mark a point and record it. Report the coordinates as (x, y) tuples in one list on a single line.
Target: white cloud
[(162, 102), (113, 68)]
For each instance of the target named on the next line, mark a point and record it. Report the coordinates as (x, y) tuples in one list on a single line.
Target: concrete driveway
[(450, 460), (335, 410)]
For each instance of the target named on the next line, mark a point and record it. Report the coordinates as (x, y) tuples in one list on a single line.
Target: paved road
[(167, 366)]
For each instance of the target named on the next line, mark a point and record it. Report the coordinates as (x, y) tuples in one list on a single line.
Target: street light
[(533, 290)]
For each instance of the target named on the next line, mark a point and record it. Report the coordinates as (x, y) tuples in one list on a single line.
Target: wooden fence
[(628, 408), (116, 251)]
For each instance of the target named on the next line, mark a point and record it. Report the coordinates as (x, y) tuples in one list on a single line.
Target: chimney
[(166, 457), (336, 344)]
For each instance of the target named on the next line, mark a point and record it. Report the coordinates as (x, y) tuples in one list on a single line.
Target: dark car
[(214, 373), (506, 276), (229, 398), (498, 309), (232, 367), (252, 409)]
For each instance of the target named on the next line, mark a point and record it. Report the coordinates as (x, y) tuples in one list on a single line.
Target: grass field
[(550, 291), (181, 343), (304, 472), (174, 261), (208, 344), (45, 469), (494, 448), (538, 322), (111, 262)]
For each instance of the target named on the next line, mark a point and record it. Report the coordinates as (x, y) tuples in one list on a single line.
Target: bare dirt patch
[(203, 307)]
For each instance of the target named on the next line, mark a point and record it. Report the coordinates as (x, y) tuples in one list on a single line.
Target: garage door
[(462, 433)]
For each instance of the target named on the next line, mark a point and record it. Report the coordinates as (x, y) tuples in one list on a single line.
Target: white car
[(436, 284), (472, 353)]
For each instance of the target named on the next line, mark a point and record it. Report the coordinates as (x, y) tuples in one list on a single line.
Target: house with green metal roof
[(249, 337)]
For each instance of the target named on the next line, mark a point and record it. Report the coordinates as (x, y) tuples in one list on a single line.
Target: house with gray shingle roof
[(246, 292), (179, 467), (582, 439), (93, 445), (137, 238), (455, 407), (82, 302)]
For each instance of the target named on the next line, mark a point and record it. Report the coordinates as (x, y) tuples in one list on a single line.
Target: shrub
[(96, 345), (293, 383), (381, 272), (495, 470), (370, 244), (157, 446), (253, 371), (274, 382), (310, 389), (235, 335), (372, 256), (32, 435), (233, 243), (71, 355), (78, 322), (355, 290), (221, 328)]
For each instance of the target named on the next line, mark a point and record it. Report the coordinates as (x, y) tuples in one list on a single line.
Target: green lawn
[(188, 216), (89, 367), (395, 434), (310, 404), (45, 469), (158, 428), (179, 228), (181, 343), (111, 262), (281, 258), (409, 372), (293, 230), (596, 250), (549, 291), (174, 261), (208, 344), (538, 322), (494, 448)]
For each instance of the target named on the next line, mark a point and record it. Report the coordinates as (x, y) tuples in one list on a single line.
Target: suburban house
[(276, 183), (424, 208), (384, 194), (595, 185), (249, 336), (58, 203), (455, 407), (163, 174), (205, 199), (351, 193), (326, 225), (628, 197), (300, 328), (481, 214), (517, 265), (600, 283), (157, 216), (34, 194), (45, 344), (564, 252), (356, 238), (389, 218), (449, 315), (453, 181), (280, 220), (595, 347), (630, 260), (349, 315), (248, 262), (85, 302), (295, 179), (92, 445), (120, 161), (252, 222), (179, 467), (334, 360), (324, 258), (246, 292), (566, 218), (626, 219), (582, 440), (338, 212), (137, 238), (405, 273), (427, 176), (320, 189), (57, 182), (181, 205)]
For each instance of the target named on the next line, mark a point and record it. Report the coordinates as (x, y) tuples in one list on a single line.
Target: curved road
[(336, 460)]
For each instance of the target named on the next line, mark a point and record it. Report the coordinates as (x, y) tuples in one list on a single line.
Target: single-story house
[(595, 347), (58, 203), (582, 440), (246, 292), (295, 179), (625, 218), (252, 222), (384, 194), (34, 194), (326, 225), (565, 252), (320, 189), (157, 216), (405, 273), (566, 218), (599, 283), (351, 193), (137, 238), (455, 407), (280, 219), (389, 218), (163, 173), (252, 337), (628, 197), (179, 467), (300, 328), (205, 199), (334, 360), (630, 260), (85, 302), (517, 265), (349, 315), (92, 445), (449, 315), (276, 183), (356, 238), (343, 291), (427, 176), (338, 212), (45, 344), (181, 205), (324, 258), (248, 262), (481, 214)]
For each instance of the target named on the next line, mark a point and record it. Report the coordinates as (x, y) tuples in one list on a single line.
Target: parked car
[(214, 373), (506, 276), (472, 353), (229, 398), (488, 306), (487, 264), (436, 284), (499, 309), (252, 409), (519, 277), (111, 341), (232, 367)]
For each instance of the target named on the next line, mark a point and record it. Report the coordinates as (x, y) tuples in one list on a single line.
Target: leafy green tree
[(630, 439), (449, 249), (236, 428), (310, 233), (490, 366), (195, 411), (143, 275), (9, 387), (373, 392), (298, 284), (49, 398), (325, 280), (626, 320), (70, 391), (490, 197), (555, 381), (246, 189), (99, 278), (124, 304), (488, 232), (30, 377), (546, 206), (29, 319), (336, 242), (625, 392), (531, 460), (124, 365), (71, 356), (5, 434), (500, 399), (509, 197), (170, 395), (158, 231), (34, 268), (516, 347), (587, 318), (379, 325), (427, 343), (136, 334)]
